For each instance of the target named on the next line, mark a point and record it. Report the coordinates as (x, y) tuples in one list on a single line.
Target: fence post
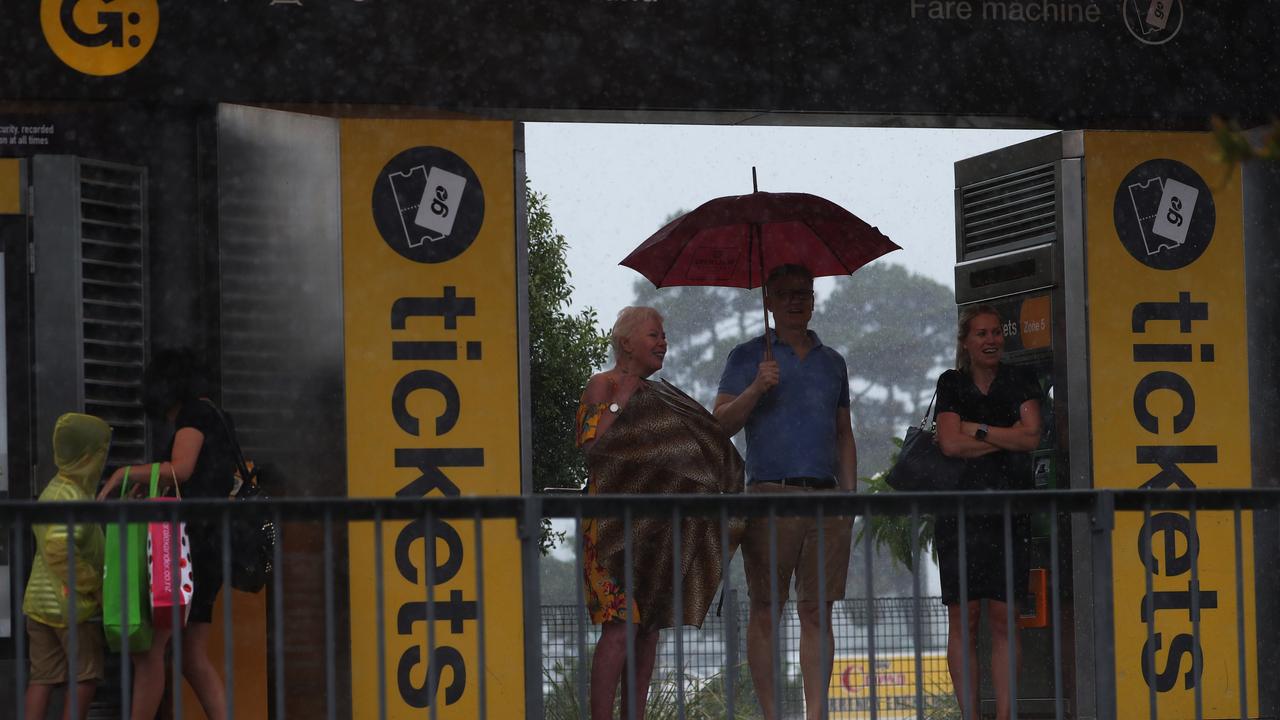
[(529, 530), (1103, 522)]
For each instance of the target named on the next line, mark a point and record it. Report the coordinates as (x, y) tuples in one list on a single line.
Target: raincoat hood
[(80, 444)]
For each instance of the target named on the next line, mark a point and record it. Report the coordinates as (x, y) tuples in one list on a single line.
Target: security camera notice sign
[(20, 135)]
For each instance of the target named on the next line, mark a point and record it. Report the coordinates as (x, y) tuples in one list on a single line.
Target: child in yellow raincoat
[(80, 444)]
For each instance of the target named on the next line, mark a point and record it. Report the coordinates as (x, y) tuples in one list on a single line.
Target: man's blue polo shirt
[(792, 430)]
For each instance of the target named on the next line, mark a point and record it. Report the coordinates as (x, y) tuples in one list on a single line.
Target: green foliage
[(894, 532), (563, 350)]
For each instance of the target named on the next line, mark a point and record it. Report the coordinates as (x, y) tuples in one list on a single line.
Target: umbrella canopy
[(736, 241), (664, 442)]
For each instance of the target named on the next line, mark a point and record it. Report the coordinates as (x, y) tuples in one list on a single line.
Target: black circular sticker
[(428, 204), (1164, 214)]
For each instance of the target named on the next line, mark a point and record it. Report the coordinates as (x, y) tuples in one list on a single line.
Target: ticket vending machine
[(1018, 250), (1121, 263)]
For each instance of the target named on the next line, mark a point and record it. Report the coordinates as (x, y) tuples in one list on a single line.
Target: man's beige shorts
[(797, 553), (49, 647)]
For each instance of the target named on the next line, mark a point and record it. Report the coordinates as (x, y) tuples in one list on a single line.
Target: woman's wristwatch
[(981, 432)]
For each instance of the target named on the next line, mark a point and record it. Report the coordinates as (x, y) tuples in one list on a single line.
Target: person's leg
[(84, 698), (646, 656), (760, 652), (821, 573), (37, 700), (606, 669), (47, 668), (148, 677), (1004, 640), (816, 654), (200, 672), (958, 653)]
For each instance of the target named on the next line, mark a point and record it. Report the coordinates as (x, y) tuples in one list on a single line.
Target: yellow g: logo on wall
[(100, 37)]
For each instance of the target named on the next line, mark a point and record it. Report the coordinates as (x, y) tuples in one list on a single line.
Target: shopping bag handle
[(155, 480)]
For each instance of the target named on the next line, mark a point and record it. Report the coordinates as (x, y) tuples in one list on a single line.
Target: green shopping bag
[(129, 623)]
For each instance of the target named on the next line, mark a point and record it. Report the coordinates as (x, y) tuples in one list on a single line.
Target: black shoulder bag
[(921, 466), (253, 538)]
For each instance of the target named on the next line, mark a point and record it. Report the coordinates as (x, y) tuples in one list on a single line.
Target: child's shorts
[(49, 646)]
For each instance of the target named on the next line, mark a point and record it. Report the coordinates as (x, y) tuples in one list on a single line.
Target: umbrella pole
[(764, 303)]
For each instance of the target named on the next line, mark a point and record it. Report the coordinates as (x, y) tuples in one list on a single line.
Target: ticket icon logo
[(428, 204), (1164, 214)]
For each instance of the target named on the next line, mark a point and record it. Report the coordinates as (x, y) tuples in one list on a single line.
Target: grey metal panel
[(1262, 267), (282, 356), (280, 262), (56, 295), (1008, 274), (1073, 365), (1037, 151)]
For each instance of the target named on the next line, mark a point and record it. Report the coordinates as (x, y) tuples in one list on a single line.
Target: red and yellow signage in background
[(850, 694), (1170, 397), (433, 405)]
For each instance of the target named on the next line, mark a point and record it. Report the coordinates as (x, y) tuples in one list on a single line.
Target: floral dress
[(606, 601)]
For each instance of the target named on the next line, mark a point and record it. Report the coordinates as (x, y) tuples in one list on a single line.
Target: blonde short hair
[(629, 318)]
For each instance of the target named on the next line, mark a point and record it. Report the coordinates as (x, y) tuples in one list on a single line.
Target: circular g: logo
[(100, 37)]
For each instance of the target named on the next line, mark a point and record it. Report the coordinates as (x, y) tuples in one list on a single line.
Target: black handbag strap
[(238, 454), (928, 412)]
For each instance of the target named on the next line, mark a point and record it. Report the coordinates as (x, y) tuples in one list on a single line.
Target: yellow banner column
[(432, 382), (1170, 410)]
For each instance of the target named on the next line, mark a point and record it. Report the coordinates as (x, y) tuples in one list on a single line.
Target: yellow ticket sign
[(433, 408), (1170, 397), (895, 678)]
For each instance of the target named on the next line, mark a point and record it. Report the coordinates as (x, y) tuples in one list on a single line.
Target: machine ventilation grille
[(1009, 212), (114, 302)]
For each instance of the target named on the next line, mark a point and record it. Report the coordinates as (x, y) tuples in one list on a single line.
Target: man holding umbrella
[(792, 397)]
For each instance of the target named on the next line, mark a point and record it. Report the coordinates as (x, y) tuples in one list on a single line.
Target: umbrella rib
[(827, 245)]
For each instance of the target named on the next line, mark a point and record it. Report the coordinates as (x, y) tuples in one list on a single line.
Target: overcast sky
[(610, 186)]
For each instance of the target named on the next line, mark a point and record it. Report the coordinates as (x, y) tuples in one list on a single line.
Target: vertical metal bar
[(277, 605), (1055, 608), (19, 561), (429, 582), (775, 615), (628, 572), (677, 583), (1197, 666), (1149, 613), (728, 598), (483, 709), (870, 599), (1010, 626), (969, 704), (380, 613), (1240, 638), (175, 611), (73, 623), (581, 615), (529, 529), (916, 629), (1104, 628), (228, 640), (330, 621), (126, 664), (820, 519)]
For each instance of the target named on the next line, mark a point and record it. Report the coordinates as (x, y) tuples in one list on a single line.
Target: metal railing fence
[(1096, 511)]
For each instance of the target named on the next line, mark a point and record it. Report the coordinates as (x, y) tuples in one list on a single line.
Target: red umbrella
[(737, 241)]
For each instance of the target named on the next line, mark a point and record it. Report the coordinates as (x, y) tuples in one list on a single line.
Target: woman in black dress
[(199, 459), (988, 414)]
